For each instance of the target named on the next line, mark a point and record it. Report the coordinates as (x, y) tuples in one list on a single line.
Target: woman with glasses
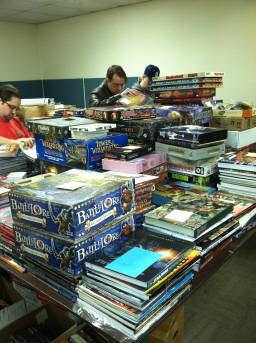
[(111, 88), (11, 129)]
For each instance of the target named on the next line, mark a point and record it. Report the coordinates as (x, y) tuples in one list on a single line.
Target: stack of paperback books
[(186, 88), (132, 283), (193, 152), (238, 173), (62, 220)]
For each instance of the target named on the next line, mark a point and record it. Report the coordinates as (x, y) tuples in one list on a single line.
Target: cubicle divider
[(67, 91)]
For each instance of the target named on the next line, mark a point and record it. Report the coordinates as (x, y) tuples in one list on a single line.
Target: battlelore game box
[(65, 255), (77, 153), (73, 204), (58, 128), (146, 130)]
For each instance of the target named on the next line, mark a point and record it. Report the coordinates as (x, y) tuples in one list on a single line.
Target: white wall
[(19, 54)]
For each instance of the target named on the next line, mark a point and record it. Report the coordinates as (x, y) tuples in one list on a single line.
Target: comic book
[(190, 216), (9, 150)]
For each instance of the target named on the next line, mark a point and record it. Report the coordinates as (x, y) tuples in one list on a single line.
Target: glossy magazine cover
[(76, 213)]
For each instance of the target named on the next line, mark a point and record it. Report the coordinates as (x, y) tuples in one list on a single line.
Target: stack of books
[(133, 284), (193, 152), (186, 88), (238, 173), (207, 221), (62, 220)]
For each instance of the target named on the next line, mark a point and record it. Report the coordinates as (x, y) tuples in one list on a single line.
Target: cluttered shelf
[(198, 280)]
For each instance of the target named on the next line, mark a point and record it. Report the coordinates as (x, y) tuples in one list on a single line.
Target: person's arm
[(96, 101), (28, 141)]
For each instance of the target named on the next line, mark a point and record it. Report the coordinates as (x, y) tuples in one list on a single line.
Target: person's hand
[(130, 91), (28, 142)]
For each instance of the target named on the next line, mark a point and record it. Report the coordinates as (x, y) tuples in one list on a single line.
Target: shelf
[(198, 280)]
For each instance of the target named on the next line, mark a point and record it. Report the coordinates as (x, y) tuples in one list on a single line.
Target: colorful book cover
[(241, 203), (172, 249), (178, 190), (133, 100), (190, 216)]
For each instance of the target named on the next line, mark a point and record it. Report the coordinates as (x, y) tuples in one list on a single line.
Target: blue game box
[(77, 153), (73, 204), (65, 255)]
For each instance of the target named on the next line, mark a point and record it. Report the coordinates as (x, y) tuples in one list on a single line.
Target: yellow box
[(28, 112)]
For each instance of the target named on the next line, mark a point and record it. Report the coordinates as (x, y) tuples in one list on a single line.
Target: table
[(198, 280)]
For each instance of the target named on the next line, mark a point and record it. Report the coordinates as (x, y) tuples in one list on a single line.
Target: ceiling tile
[(121, 2), (18, 5), (58, 10), (35, 17), (87, 5)]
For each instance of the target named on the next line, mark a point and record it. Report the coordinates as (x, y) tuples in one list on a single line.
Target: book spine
[(212, 221)]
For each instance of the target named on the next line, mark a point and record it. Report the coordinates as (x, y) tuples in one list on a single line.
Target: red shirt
[(13, 129)]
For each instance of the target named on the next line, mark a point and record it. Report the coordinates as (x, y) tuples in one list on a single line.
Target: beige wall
[(178, 36), (19, 54)]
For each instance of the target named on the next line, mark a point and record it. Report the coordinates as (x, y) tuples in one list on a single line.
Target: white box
[(16, 308), (239, 139)]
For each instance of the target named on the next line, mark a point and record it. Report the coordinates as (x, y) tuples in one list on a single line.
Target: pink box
[(138, 165)]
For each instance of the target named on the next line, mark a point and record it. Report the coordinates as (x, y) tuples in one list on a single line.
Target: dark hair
[(118, 70), (8, 91)]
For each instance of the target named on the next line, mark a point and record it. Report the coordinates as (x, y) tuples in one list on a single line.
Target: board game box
[(119, 114), (186, 93), (52, 167), (186, 101), (128, 152), (183, 86), (203, 170), (58, 206), (199, 180), (77, 153), (194, 164), (146, 129), (137, 165), (9, 150), (58, 128), (132, 100), (65, 255), (190, 75), (192, 134), (167, 82), (191, 154), (190, 115)]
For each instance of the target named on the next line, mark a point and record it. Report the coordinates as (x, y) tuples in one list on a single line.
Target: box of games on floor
[(193, 152), (55, 142)]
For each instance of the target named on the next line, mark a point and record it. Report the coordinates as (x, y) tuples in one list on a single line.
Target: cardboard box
[(44, 318), (28, 112), (171, 330), (233, 123), (16, 308), (239, 139), (234, 113)]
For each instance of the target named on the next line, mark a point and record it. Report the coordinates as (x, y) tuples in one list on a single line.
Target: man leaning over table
[(12, 130), (110, 90)]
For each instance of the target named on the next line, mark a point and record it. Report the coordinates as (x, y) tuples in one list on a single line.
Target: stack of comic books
[(134, 282), (62, 220), (186, 88), (238, 173), (193, 152)]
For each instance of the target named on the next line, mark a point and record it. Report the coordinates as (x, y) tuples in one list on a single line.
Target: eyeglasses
[(13, 108), (118, 85)]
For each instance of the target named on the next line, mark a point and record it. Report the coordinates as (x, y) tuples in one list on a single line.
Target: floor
[(223, 309)]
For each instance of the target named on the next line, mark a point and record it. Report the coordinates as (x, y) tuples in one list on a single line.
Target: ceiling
[(43, 11)]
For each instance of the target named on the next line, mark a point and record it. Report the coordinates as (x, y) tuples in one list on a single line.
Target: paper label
[(4, 190), (251, 154), (72, 185), (41, 316), (126, 101), (179, 216)]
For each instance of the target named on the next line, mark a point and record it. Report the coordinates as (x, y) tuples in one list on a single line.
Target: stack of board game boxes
[(62, 220), (193, 152), (73, 142), (186, 88)]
